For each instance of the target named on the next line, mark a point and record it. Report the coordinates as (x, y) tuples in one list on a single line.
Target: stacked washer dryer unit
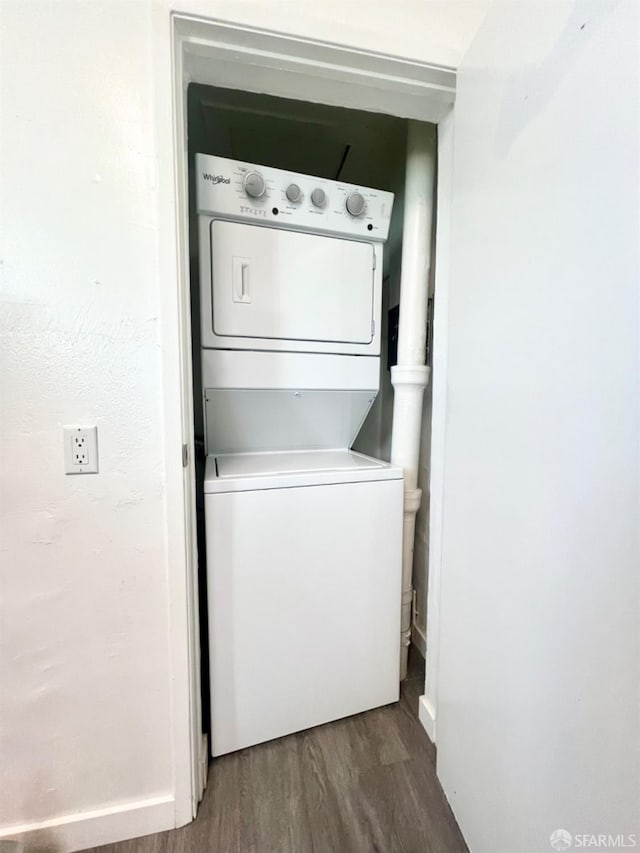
[(303, 535)]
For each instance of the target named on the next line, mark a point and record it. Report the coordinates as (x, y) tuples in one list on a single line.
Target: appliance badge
[(216, 179), (253, 211)]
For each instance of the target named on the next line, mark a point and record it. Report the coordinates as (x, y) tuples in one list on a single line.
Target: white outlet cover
[(80, 449)]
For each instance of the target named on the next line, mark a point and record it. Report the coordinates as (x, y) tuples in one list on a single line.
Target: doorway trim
[(230, 55)]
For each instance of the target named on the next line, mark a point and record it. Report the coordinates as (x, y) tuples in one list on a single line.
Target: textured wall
[(85, 704)]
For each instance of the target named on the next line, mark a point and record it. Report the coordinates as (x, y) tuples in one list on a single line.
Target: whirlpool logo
[(216, 179)]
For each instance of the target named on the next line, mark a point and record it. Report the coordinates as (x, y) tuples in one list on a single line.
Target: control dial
[(318, 197), (254, 184), (355, 204), (293, 193)]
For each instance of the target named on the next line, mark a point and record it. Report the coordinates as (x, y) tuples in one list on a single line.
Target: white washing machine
[(304, 536), (303, 551)]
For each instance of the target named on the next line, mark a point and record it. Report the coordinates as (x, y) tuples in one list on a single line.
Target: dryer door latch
[(241, 284)]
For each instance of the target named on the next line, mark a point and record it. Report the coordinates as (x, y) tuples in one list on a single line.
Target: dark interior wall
[(315, 139)]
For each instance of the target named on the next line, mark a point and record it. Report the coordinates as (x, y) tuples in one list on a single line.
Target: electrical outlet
[(80, 450)]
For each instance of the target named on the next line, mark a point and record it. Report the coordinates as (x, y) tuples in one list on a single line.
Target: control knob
[(254, 184), (293, 193), (355, 204), (318, 197)]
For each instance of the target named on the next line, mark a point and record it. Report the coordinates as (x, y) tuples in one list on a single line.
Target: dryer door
[(275, 285)]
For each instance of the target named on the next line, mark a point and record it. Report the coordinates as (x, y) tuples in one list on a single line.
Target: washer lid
[(247, 471)]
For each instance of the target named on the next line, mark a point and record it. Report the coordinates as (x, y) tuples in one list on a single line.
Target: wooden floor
[(367, 783)]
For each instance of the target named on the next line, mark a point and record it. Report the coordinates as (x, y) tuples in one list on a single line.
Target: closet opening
[(347, 151)]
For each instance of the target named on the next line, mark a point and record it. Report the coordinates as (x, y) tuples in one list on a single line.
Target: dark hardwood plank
[(366, 784)]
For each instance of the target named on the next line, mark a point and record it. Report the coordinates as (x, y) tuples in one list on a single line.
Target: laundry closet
[(295, 222)]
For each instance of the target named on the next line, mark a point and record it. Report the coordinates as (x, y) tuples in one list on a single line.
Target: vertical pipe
[(410, 376)]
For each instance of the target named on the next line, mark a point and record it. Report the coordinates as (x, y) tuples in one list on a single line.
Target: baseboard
[(419, 640), (94, 828), (427, 716)]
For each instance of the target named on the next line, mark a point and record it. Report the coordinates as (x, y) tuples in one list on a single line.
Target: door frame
[(222, 53)]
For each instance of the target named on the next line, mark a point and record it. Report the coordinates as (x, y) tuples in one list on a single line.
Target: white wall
[(86, 705), (538, 724), (435, 31), (90, 584)]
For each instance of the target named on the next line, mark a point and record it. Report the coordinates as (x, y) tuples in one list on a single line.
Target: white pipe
[(410, 376)]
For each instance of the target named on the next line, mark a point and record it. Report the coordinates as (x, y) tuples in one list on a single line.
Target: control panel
[(246, 192)]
